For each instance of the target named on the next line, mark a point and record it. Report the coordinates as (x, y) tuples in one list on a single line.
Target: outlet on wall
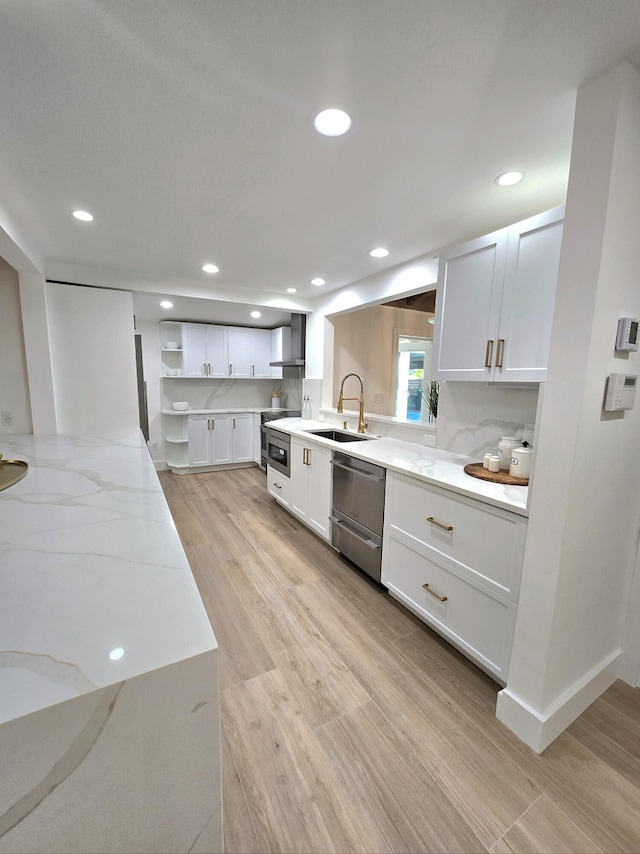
[(429, 439), (7, 419), (529, 431)]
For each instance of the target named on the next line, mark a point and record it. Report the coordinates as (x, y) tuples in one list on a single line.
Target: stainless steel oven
[(270, 415), (278, 449), (358, 511)]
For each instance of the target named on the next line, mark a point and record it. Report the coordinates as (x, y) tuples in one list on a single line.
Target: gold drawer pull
[(439, 524), (277, 485), (488, 353), (439, 598), (500, 352)]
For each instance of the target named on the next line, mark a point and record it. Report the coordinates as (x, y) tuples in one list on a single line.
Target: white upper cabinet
[(240, 363), (495, 302), (205, 350), (261, 353), (225, 351)]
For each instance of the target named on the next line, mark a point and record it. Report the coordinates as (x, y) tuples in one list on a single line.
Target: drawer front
[(278, 485), (476, 620), (485, 542)]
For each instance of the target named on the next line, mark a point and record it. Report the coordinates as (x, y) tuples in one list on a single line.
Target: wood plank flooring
[(349, 726)]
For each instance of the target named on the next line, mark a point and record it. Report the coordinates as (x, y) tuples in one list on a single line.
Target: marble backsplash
[(472, 417)]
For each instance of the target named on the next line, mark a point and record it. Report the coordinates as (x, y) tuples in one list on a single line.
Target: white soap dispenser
[(306, 407)]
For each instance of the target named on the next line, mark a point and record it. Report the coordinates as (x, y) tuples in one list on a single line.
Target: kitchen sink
[(339, 435)]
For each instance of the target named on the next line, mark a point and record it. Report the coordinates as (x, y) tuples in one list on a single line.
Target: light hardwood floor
[(349, 726)]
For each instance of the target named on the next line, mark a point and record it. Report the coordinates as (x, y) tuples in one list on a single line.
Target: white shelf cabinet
[(210, 440), (310, 488), (456, 564), (494, 304), (210, 351)]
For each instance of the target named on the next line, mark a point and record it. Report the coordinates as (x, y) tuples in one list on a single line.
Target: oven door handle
[(354, 470), (371, 543)]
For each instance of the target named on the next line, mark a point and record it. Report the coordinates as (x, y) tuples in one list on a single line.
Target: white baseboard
[(161, 465), (538, 730)]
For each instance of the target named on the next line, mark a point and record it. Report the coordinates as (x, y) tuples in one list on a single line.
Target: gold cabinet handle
[(499, 352), (230, 368), (488, 353), (213, 423), (204, 367), (234, 423), (208, 367), (277, 485), (433, 593), (439, 524), (253, 370)]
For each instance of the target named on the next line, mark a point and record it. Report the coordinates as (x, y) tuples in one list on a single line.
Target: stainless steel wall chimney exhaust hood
[(293, 357)]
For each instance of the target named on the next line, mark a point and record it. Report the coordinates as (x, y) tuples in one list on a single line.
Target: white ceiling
[(185, 127)]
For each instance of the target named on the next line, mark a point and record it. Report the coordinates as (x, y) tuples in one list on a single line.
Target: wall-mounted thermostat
[(621, 392), (627, 334)]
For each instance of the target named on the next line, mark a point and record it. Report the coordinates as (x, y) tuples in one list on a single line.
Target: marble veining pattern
[(90, 562)]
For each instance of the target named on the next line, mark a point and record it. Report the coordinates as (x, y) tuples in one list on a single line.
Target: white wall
[(585, 506), (93, 360), (14, 390)]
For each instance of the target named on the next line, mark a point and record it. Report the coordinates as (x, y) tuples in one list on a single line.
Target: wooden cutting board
[(477, 470)]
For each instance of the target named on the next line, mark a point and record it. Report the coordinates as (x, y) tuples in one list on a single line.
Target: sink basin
[(339, 435)]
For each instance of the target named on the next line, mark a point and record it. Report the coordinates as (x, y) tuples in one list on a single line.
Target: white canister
[(494, 463), (507, 444), (520, 462)]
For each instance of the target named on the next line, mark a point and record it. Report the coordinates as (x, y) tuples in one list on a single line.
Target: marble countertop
[(91, 568), (223, 411), (440, 468)]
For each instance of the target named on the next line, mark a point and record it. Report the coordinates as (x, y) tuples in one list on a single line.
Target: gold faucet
[(362, 425)]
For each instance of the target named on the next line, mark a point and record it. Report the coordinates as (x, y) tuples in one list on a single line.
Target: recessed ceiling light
[(210, 268), (508, 179), (255, 314), (380, 252), (318, 281), (332, 122), (116, 653), (166, 304), (85, 216), (291, 290)]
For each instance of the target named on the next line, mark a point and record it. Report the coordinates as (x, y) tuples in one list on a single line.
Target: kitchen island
[(109, 709)]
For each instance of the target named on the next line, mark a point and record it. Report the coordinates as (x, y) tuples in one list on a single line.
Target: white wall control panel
[(621, 392), (627, 338)]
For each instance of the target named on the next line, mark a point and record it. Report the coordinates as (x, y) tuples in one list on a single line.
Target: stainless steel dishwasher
[(358, 511)]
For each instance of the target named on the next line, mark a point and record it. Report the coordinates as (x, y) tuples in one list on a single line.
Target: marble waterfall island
[(109, 709)]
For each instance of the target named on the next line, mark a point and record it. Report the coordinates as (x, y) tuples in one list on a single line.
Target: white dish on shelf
[(180, 406), (172, 345)]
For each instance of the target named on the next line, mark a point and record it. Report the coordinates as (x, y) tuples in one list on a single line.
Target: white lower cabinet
[(311, 485), (220, 439), (456, 564), (279, 486)]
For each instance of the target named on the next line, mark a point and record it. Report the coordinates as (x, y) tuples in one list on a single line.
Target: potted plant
[(430, 393)]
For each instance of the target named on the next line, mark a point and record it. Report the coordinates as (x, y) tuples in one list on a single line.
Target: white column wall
[(14, 391), (93, 360), (585, 506)]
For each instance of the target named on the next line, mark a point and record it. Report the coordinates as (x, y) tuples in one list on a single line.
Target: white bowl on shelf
[(181, 405), (172, 345)]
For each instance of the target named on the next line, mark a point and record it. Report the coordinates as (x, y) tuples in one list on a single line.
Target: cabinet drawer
[(483, 541), (474, 619), (278, 485)]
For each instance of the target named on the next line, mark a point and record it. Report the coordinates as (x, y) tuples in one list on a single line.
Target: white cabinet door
[(261, 353), (310, 485), (217, 356), (526, 314), (494, 303), (468, 308), (243, 438), (194, 345), (319, 490), (198, 435), (299, 478), (205, 350), (221, 439), (240, 364)]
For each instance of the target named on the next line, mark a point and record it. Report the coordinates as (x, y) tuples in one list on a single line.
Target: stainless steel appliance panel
[(357, 543), (358, 491), (278, 450), (271, 415)]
